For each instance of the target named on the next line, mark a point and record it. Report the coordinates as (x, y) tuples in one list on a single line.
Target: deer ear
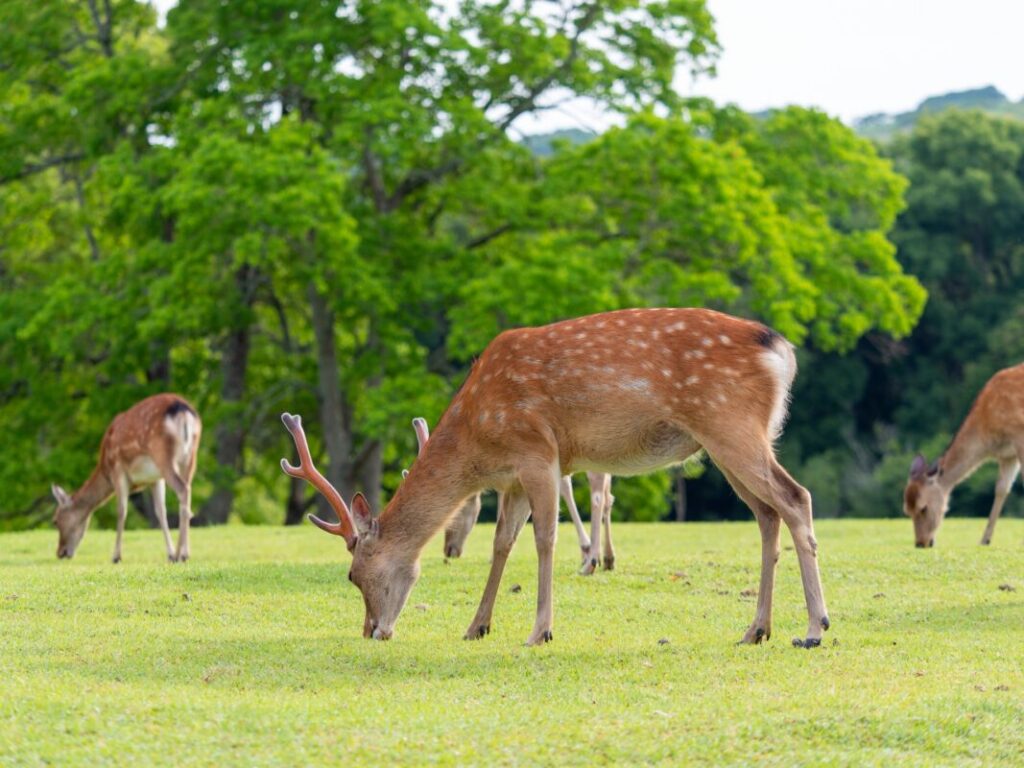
[(933, 470), (361, 512), (917, 467), (60, 495)]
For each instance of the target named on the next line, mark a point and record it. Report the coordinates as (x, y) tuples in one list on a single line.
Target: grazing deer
[(623, 392), (993, 429), (601, 500), (152, 443)]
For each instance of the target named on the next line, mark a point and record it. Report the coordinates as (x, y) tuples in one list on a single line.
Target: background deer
[(153, 443), (993, 429), (624, 393), (601, 500)]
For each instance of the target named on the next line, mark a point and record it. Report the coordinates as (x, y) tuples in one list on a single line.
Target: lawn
[(252, 654)]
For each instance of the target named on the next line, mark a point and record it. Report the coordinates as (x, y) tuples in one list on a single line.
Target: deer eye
[(924, 510)]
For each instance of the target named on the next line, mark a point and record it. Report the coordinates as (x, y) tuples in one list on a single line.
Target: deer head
[(71, 520), (383, 579), (925, 500)]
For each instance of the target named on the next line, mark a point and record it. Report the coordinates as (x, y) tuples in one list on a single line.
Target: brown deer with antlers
[(601, 500), (993, 430), (623, 392), (153, 443)]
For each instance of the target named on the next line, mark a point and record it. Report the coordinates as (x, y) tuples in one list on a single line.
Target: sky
[(848, 57)]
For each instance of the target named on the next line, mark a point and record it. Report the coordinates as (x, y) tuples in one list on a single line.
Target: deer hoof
[(609, 563), (475, 633), (825, 623), (755, 635), (810, 642), (986, 542), (115, 559), (544, 637)]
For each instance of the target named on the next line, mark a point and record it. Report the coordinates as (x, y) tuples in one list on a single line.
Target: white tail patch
[(183, 427), (780, 360)]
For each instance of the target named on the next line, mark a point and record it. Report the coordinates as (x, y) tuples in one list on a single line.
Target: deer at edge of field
[(625, 392)]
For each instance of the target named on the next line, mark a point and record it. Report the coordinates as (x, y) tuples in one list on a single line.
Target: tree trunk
[(229, 434), (335, 427), (371, 473), (298, 502), (680, 498)]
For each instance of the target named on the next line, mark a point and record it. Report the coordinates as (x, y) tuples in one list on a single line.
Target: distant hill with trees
[(882, 126)]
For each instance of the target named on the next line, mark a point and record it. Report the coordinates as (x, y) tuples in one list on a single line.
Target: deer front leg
[(160, 507), (541, 486), (1007, 474), (565, 488), (122, 490), (513, 509), (597, 504)]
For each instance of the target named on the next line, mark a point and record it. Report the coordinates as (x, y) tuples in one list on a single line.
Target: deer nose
[(382, 634)]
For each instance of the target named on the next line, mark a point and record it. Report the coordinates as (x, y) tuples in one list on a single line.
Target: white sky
[(848, 57)]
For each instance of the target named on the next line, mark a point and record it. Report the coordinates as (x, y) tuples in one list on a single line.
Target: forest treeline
[(328, 208)]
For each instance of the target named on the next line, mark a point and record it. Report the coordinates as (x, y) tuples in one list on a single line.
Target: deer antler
[(422, 432), (345, 526)]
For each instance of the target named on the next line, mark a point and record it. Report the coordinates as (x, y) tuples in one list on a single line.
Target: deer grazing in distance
[(601, 500), (153, 443), (993, 429), (625, 393)]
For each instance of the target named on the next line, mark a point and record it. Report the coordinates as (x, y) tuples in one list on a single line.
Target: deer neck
[(93, 492), (964, 455), (435, 488)]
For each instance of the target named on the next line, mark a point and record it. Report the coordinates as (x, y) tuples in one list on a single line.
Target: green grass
[(251, 654)]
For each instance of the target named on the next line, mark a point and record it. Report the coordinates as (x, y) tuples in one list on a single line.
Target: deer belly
[(649, 451), (143, 471)]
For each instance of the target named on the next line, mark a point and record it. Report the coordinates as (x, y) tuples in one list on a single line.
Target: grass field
[(251, 654)]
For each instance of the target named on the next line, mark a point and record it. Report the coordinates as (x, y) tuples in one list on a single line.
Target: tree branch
[(45, 165)]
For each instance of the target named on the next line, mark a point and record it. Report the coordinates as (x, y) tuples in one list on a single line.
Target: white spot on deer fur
[(691, 380), (636, 385), (666, 373), (724, 339), (680, 326), (709, 366), (675, 399), (517, 377), (655, 335), (707, 342), (487, 377), (483, 417), (722, 398), (699, 354), (694, 400)]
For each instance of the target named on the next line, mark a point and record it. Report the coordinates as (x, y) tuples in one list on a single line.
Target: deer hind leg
[(606, 522), (565, 488), (513, 510), (1008, 470), (160, 507), (122, 490), (769, 522), (753, 464), (183, 490), (541, 486)]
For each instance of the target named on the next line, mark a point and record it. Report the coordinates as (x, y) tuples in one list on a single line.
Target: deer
[(992, 430), (624, 393), (601, 500), (154, 443)]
